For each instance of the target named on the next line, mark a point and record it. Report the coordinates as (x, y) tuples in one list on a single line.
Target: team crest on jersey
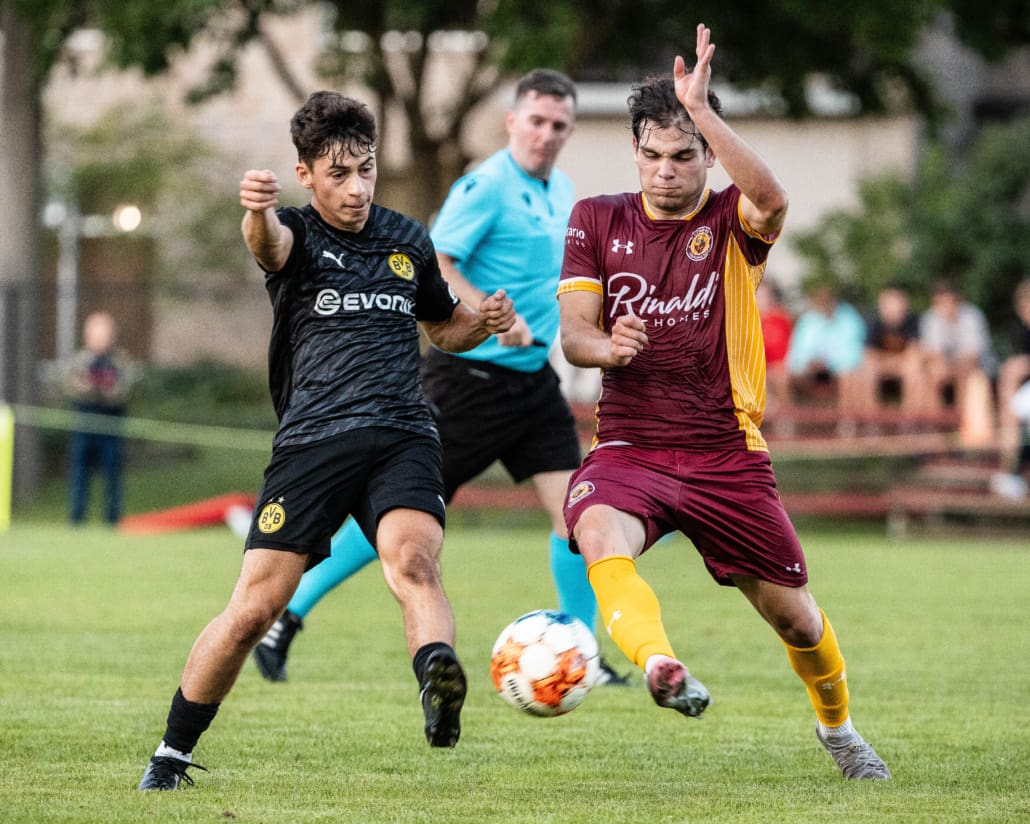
[(272, 517), (400, 264), (700, 243), (580, 491)]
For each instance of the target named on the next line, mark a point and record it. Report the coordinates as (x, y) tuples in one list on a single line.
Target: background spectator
[(826, 347), (956, 342), (1013, 482), (1014, 374), (777, 325), (892, 354), (97, 381)]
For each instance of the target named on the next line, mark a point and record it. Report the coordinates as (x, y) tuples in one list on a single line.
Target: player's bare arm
[(266, 238), (518, 335), (585, 344), (468, 327), (764, 201)]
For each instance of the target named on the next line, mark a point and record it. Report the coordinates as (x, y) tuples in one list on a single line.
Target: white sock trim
[(845, 730), (164, 751), (657, 658)]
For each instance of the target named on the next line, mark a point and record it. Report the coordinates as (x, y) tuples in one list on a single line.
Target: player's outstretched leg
[(671, 685), (351, 552), (853, 754), (824, 673), (633, 618), (442, 692)]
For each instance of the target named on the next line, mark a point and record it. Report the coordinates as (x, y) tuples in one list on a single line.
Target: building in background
[(821, 160)]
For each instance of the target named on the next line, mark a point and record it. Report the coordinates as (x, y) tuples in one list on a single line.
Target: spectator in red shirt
[(777, 324)]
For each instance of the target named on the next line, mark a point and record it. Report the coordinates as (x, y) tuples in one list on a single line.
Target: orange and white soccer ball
[(545, 662)]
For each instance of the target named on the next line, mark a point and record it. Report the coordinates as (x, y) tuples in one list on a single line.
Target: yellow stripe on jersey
[(745, 349), (770, 239), (581, 284)]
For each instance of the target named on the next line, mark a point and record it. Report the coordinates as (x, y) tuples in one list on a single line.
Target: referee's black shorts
[(488, 413)]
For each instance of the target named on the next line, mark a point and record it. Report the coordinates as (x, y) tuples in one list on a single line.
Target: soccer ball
[(545, 662)]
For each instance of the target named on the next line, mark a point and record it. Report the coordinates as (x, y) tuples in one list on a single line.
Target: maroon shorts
[(726, 503)]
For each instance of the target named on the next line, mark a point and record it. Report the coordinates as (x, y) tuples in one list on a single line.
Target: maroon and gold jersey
[(699, 384)]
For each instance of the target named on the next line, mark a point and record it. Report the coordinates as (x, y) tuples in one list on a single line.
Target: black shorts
[(310, 490), (488, 413)]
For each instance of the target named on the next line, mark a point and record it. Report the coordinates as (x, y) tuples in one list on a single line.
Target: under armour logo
[(830, 685), (627, 246)]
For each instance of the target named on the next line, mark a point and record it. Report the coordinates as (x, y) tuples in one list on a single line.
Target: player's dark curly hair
[(330, 122), (654, 100)]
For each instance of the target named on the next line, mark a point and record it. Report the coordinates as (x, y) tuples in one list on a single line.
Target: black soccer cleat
[(166, 773), (442, 695), (270, 653), (608, 677)]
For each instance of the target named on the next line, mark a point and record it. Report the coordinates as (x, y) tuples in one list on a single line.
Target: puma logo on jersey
[(337, 259)]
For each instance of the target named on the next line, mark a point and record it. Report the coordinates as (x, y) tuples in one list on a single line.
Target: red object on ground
[(201, 513)]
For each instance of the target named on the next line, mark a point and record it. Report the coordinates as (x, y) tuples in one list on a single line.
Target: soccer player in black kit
[(350, 283)]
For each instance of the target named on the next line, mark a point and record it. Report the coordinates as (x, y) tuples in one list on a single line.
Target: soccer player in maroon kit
[(658, 289)]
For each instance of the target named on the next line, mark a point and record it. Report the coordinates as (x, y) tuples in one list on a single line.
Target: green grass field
[(96, 627)]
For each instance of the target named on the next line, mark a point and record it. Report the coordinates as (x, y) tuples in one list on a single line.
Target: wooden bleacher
[(937, 480)]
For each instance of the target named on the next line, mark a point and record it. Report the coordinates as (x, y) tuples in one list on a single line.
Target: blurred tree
[(967, 220), (864, 49), (971, 219), (397, 47), (863, 250), (165, 170)]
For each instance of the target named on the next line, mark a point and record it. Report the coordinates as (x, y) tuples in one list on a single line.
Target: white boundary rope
[(226, 437)]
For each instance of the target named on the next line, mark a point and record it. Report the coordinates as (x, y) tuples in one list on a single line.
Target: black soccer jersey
[(344, 350)]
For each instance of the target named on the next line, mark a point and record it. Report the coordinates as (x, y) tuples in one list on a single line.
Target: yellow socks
[(822, 669), (633, 618), (630, 609)]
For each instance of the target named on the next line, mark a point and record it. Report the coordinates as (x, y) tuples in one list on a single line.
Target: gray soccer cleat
[(671, 685), (855, 757)]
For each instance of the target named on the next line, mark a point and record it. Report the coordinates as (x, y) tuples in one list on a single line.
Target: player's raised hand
[(259, 190), (497, 312), (692, 87), (628, 339)]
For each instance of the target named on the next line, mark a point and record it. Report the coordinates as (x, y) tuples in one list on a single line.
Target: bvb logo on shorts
[(401, 265), (272, 518), (579, 492)]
